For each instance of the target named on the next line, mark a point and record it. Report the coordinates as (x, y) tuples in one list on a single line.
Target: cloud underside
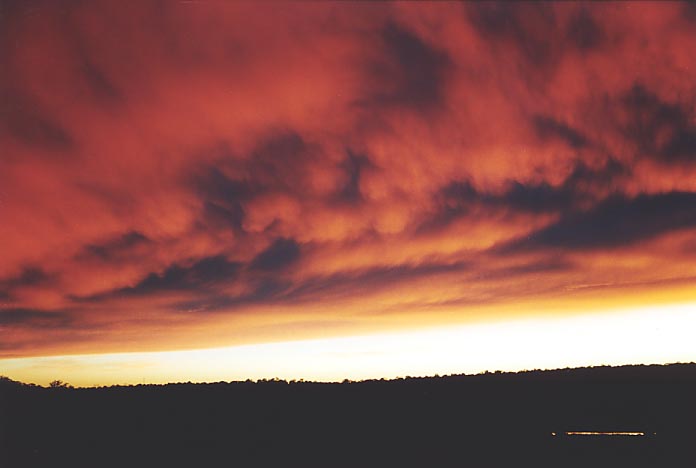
[(182, 169)]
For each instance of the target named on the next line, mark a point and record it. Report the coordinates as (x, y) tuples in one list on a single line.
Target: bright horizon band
[(648, 335)]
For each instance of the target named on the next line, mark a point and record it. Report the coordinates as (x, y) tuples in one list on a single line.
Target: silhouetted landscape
[(491, 419)]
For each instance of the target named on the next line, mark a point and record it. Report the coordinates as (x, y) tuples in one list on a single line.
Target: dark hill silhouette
[(486, 420)]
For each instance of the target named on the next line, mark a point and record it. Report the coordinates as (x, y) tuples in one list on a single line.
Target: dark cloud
[(203, 274), (264, 291), (345, 283), (29, 277), (585, 178), (584, 32), (549, 128), (354, 165), (215, 186), (452, 202), (95, 80), (582, 185), (689, 11), (21, 317), (338, 285), (617, 221), (206, 276), (461, 191), (682, 146), (222, 197), (660, 129), (29, 124), (280, 254), (537, 198), (98, 82), (412, 74), (528, 27), (459, 198), (217, 216), (278, 162), (114, 248)]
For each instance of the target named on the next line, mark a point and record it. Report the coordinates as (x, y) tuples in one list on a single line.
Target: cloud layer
[(188, 174)]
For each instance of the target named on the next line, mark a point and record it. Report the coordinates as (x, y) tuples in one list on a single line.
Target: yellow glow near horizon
[(593, 433), (647, 335)]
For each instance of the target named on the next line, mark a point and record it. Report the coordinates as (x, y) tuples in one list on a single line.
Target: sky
[(265, 178)]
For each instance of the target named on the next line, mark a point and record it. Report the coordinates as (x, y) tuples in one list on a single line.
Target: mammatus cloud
[(194, 173)]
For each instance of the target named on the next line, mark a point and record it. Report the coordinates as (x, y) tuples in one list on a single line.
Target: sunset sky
[(210, 190)]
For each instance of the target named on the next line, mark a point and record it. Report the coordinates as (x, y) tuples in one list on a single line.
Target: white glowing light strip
[(648, 335)]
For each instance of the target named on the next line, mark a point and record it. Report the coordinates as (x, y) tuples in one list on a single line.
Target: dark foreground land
[(490, 420)]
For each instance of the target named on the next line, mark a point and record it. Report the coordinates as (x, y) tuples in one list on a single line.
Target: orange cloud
[(201, 174)]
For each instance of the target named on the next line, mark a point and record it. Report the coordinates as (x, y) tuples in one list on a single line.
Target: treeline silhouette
[(486, 420)]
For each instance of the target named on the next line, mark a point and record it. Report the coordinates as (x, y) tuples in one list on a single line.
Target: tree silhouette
[(59, 384)]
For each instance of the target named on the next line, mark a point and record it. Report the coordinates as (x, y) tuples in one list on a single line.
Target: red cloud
[(178, 167)]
